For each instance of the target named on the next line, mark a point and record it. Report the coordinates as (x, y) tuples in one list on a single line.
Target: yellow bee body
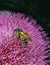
[(23, 35)]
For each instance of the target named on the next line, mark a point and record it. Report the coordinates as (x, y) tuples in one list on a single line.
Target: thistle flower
[(12, 51)]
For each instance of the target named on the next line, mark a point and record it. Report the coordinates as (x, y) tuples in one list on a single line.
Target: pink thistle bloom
[(12, 50)]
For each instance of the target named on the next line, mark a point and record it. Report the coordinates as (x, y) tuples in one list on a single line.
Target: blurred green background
[(37, 9)]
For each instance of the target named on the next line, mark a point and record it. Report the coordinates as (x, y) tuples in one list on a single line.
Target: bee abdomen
[(25, 42)]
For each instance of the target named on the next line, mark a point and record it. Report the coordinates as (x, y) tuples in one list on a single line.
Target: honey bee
[(25, 37)]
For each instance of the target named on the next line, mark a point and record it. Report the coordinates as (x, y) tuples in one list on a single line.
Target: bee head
[(17, 31)]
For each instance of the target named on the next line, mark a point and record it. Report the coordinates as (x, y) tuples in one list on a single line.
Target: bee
[(25, 37)]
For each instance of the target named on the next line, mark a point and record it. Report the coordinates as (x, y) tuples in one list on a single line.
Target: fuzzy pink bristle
[(12, 51)]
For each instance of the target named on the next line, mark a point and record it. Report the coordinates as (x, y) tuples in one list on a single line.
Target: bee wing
[(28, 36)]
